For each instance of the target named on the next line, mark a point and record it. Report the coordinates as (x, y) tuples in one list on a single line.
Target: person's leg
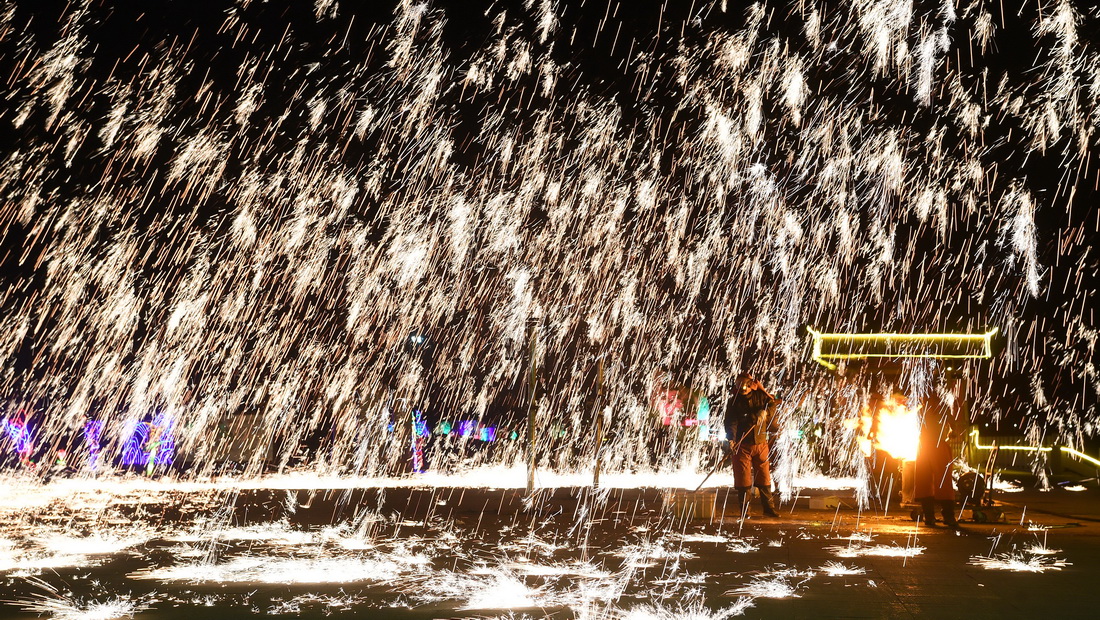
[(947, 508), (928, 507), (742, 476), (945, 487), (763, 478)]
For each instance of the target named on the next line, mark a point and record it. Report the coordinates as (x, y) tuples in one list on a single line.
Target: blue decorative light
[(419, 441), (150, 444), (19, 433), (92, 430)]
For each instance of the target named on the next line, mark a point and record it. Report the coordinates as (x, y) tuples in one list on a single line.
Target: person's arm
[(729, 418), (760, 386)]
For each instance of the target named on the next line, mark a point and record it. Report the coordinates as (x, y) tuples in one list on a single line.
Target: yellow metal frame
[(822, 358), (1070, 451)]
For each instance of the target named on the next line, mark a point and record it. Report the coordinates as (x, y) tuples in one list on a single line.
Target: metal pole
[(532, 384), (599, 422)]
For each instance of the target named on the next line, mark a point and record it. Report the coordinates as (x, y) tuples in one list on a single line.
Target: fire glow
[(892, 426)]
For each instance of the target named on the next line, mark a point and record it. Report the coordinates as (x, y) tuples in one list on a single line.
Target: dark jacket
[(747, 418)]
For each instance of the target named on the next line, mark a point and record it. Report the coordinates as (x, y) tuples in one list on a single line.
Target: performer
[(747, 431), (932, 482)]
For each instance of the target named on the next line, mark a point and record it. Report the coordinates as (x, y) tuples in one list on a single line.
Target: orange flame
[(892, 427)]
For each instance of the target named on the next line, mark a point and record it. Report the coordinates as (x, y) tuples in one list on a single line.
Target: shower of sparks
[(693, 611), (776, 584), (68, 609), (1034, 558), (1020, 562), (741, 545), (890, 551), (861, 537), (387, 559), (648, 553), (351, 247), (1038, 549), (421, 562), (1006, 486), (493, 590), (836, 569), (582, 569), (90, 545), (704, 538), (65, 606), (316, 242), (326, 603), (265, 569)]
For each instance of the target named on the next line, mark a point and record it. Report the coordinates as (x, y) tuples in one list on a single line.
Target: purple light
[(420, 425), (420, 432), (466, 428), (151, 444), (92, 430), (20, 435)]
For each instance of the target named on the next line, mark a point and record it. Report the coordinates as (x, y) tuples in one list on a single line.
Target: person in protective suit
[(932, 482), (747, 430)]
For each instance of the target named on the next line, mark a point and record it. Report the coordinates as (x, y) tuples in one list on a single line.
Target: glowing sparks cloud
[(291, 232), (326, 244)]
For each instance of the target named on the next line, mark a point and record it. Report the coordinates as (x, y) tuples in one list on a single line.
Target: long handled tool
[(717, 463)]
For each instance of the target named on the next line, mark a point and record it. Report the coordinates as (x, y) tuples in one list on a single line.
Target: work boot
[(928, 506), (766, 503), (947, 508)]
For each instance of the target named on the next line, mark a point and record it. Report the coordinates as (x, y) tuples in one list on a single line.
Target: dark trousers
[(932, 472)]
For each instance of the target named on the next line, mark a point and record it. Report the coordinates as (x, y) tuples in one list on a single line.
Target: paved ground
[(427, 553)]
